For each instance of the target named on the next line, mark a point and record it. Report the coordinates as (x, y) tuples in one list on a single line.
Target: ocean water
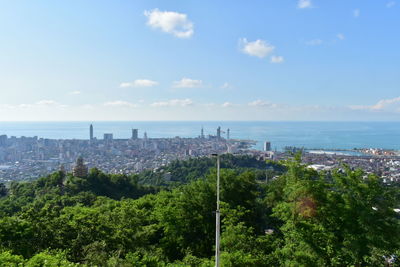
[(311, 135)]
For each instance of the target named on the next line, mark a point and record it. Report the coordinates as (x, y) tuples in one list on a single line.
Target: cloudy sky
[(199, 60)]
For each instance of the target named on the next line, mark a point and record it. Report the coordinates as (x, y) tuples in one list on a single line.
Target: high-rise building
[(145, 136), (228, 133), (202, 133), (108, 136), (219, 132), (135, 134), (3, 140), (91, 131), (267, 146), (80, 169)]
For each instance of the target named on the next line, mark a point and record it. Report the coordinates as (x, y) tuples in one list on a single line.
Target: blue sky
[(200, 60)]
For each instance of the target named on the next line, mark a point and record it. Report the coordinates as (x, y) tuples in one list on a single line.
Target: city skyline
[(204, 61)]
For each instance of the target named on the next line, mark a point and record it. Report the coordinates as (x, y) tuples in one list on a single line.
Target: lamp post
[(217, 218)]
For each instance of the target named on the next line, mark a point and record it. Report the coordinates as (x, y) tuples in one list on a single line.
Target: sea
[(309, 135)]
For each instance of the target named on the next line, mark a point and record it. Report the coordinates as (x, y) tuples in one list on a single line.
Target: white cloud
[(258, 103), (39, 104), (277, 59), (120, 103), (23, 106), (227, 105), (226, 85), (170, 22), (188, 83), (46, 103), (75, 93), (356, 13), (262, 103), (314, 42), (258, 48), (304, 4), (173, 103), (392, 104), (126, 85), (386, 103), (139, 83), (390, 4), (340, 36)]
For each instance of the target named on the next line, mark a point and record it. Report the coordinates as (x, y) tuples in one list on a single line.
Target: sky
[(296, 60)]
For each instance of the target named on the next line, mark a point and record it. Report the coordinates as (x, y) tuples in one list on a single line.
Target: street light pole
[(217, 218)]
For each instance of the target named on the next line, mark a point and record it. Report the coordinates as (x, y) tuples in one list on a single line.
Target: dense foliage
[(301, 218), (183, 171)]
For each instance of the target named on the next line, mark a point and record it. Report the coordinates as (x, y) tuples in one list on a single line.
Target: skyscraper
[(3, 140), (91, 131), (228, 133), (219, 132), (108, 136), (267, 146), (202, 133), (135, 134)]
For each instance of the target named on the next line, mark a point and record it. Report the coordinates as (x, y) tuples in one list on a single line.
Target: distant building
[(135, 134), (219, 132), (267, 146), (202, 133), (108, 136), (91, 131), (145, 136), (80, 169), (228, 133), (3, 140)]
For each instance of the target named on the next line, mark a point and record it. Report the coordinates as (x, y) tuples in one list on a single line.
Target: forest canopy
[(301, 217)]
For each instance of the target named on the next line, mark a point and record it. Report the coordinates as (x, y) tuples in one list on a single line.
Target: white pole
[(217, 222)]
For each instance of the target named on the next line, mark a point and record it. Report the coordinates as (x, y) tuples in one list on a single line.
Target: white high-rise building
[(267, 146)]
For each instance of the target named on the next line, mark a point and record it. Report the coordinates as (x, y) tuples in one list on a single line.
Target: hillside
[(301, 218)]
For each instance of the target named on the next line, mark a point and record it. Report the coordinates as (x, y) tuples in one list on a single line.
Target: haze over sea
[(325, 135)]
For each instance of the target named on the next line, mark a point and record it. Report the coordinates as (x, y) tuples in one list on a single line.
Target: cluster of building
[(382, 162), (386, 166), (378, 151), (27, 158)]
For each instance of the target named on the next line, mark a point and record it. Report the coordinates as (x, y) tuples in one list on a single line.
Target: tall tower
[(135, 133), (219, 132), (144, 142), (91, 131), (228, 133), (267, 146), (202, 133)]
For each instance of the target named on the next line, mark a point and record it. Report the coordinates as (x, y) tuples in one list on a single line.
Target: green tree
[(8, 259), (342, 219), (50, 259), (3, 190)]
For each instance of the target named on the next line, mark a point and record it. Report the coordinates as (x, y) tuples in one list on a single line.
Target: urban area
[(27, 158)]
